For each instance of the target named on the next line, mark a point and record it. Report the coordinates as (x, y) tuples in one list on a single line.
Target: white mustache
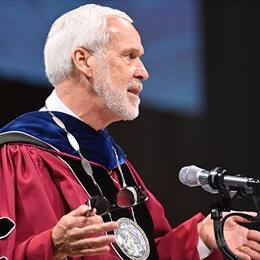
[(136, 83)]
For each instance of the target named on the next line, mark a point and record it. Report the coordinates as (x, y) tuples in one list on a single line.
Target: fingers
[(89, 246), (253, 245), (82, 210), (82, 245), (242, 256), (92, 252), (253, 235), (241, 219), (82, 233), (80, 217), (91, 212), (251, 213), (250, 252), (245, 243), (79, 221), (91, 230)]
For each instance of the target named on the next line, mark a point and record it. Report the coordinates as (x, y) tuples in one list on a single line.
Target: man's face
[(120, 72)]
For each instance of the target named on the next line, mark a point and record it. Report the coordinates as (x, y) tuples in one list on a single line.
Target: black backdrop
[(159, 144)]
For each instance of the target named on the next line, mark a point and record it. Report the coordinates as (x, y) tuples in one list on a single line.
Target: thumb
[(82, 210)]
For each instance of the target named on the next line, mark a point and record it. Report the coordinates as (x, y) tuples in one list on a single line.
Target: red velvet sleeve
[(29, 196), (22, 173)]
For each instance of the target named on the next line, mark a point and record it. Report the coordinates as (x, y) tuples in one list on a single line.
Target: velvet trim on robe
[(96, 146), (34, 178)]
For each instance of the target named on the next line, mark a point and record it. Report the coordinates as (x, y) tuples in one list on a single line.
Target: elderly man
[(66, 184)]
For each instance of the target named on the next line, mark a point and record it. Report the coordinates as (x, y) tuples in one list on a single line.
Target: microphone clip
[(216, 181)]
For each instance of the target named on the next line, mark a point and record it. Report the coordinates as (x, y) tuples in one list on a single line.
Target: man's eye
[(131, 56)]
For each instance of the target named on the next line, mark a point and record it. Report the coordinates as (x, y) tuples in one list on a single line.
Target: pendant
[(132, 240)]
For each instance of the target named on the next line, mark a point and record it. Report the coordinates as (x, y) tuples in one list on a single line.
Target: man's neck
[(85, 104)]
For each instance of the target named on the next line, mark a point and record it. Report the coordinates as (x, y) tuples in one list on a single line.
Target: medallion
[(132, 240)]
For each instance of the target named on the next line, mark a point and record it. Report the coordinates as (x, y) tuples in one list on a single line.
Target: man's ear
[(81, 58)]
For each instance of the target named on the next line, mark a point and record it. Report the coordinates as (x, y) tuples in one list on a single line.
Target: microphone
[(217, 180)]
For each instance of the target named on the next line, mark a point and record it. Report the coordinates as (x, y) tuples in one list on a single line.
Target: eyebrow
[(135, 50)]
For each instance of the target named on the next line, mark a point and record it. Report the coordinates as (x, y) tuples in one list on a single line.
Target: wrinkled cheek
[(119, 79), (122, 75), (132, 70)]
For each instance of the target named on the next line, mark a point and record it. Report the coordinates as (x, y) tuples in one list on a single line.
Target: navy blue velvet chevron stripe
[(96, 146)]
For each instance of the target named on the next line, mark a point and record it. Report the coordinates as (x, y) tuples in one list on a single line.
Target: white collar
[(53, 103)]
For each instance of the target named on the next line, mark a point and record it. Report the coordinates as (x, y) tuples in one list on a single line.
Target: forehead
[(123, 35)]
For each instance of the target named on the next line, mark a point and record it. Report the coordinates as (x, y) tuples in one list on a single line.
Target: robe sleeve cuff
[(181, 241), (203, 250)]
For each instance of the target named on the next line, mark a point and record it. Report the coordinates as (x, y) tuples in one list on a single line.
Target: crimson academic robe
[(37, 187)]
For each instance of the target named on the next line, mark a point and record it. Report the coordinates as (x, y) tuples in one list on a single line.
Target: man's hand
[(81, 233), (243, 242)]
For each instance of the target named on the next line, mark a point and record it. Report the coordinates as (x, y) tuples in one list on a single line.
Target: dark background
[(160, 143)]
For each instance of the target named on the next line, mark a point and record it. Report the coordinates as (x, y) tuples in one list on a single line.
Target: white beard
[(122, 103)]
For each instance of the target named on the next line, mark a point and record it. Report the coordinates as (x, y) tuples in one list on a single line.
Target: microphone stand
[(216, 215), (224, 204)]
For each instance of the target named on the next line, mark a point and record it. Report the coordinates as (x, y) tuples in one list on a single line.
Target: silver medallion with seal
[(132, 240)]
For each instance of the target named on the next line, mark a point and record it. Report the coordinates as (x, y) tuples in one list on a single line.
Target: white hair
[(85, 26)]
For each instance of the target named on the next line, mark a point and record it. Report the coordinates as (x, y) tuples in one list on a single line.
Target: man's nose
[(141, 72)]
